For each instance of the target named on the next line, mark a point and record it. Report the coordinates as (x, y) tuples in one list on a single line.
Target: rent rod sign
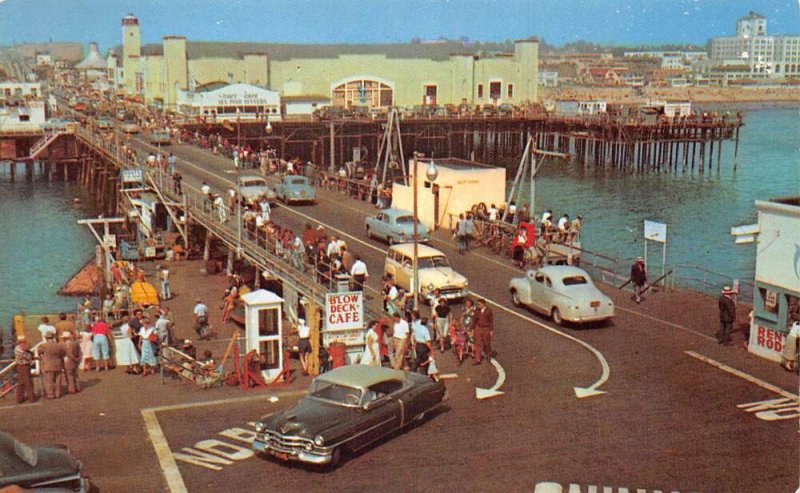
[(344, 311)]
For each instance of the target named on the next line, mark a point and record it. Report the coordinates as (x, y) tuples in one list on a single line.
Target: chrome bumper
[(315, 456)]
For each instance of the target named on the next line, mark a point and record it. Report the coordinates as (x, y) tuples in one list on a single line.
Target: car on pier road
[(294, 188), (129, 127), (104, 124), (42, 468), (434, 272), (346, 410), (395, 226), (562, 292), (252, 188)]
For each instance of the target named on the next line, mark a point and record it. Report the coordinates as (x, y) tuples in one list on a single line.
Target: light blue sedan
[(295, 188), (395, 226)]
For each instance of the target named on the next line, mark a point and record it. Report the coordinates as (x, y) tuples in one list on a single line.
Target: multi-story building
[(764, 56), (351, 75)]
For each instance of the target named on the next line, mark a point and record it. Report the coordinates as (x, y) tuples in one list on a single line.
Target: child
[(433, 371), (458, 335)]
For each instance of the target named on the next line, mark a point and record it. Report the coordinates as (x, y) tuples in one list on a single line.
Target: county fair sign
[(344, 311)]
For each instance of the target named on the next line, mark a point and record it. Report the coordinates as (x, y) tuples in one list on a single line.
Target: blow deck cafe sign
[(344, 311)]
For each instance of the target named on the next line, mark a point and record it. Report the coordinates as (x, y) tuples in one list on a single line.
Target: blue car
[(395, 226), (293, 188)]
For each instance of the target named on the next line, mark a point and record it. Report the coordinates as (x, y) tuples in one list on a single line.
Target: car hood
[(308, 418), (440, 277), (53, 462)]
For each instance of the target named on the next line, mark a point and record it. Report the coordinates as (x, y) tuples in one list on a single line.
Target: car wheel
[(557, 316), (336, 457), (515, 298), (390, 240)]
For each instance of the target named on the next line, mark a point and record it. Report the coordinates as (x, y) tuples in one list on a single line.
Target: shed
[(460, 184), (303, 106)]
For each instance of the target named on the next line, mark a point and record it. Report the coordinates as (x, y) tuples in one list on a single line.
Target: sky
[(617, 22)]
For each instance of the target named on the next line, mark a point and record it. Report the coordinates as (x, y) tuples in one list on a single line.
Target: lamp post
[(431, 173), (267, 128), (238, 127)]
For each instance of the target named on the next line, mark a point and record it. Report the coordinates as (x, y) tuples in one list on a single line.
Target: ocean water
[(41, 245), (698, 209)]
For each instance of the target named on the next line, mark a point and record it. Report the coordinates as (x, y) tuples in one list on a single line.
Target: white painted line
[(494, 391), (165, 459), (669, 324), (22, 406), (743, 375)]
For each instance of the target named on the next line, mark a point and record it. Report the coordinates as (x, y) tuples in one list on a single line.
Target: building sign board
[(110, 241), (344, 311), (655, 231), (132, 175), (766, 342)]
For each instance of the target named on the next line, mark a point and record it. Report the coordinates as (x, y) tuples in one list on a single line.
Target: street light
[(431, 174)]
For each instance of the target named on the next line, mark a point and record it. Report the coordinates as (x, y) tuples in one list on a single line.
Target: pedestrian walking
[(442, 323), (23, 357), (171, 162), (400, 332), (72, 361), (639, 279), (219, 204), (263, 204), (372, 349), (790, 347), (163, 276), (45, 328), (461, 234), (52, 354), (148, 338), (727, 315), (359, 273), (304, 344), (484, 330), (100, 348), (421, 338)]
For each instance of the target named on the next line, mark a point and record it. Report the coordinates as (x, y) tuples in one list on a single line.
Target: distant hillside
[(71, 52)]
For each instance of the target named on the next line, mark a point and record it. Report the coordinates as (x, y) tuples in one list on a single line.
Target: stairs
[(42, 143)]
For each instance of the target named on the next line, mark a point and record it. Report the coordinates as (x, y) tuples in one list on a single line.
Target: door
[(537, 290), (385, 413)]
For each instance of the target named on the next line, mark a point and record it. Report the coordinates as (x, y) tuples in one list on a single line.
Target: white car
[(562, 292), (434, 271), (253, 187)]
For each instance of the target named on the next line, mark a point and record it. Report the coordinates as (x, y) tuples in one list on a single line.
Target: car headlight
[(466, 283), (319, 441), (431, 287), (260, 426)]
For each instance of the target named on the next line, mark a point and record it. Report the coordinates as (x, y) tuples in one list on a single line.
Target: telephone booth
[(264, 330)]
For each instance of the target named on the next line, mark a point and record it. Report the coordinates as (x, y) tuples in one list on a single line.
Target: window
[(362, 92), (268, 322), (495, 90), (430, 95), (268, 351), (511, 90), (480, 90)]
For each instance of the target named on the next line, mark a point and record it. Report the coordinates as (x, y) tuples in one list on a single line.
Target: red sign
[(769, 339)]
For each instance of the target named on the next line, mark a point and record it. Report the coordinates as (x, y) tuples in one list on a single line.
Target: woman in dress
[(467, 316), (127, 355), (86, 349), (146, 334), (372, 350)]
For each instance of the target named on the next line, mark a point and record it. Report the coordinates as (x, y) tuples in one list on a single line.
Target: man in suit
[(484, 330), (727, 316), (52, 354), (24, 359), (72, 348)]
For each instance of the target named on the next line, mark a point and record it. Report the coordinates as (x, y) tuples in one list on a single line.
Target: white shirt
[(795, 330), (545, 216), (392, 294), (333, 247), (493, 214), (359, 268), (512, 209), (401, 329), (44, 329), (303, 330), (165, 275), (563, 223), (342, 173), (205, 189), (200, 310), (264, 205)]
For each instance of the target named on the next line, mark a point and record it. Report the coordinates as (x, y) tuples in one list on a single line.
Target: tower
[(526, 54), (131, 51)]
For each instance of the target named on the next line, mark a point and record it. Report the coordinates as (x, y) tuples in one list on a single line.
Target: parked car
[(347, 409), (129, 127), (434, 271), (293, 188), (395, 226), (104, 124), (160, 136), (42, 468), (506, 109), (562, 292), (253, 187)]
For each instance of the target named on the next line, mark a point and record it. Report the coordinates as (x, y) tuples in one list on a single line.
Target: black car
[(347, 409), (47, 467)]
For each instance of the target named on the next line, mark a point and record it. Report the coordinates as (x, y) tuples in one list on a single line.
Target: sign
[(110, 241), (344, 311), (132, 175), (771, 300), (349, 338), (655, 231), (766, 342)]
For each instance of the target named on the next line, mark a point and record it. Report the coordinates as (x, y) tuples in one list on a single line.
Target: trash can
[(342, 283)]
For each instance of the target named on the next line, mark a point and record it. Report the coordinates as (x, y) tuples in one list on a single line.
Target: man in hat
[(727, 316), (72, 348), (23, 357), (189, 349), (639, 279), (52, 354)]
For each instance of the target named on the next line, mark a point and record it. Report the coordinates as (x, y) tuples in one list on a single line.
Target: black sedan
[(46, 467), (347, 409)]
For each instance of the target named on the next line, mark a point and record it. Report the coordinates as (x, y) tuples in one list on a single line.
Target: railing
[(708, 281), (42, 143)]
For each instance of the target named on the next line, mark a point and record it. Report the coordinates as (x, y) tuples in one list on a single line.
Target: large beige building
[(379, 75)]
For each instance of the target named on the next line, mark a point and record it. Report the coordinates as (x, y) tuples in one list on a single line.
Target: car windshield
[(335, 393), (26, 453), (406, 220), (431, 262), (298, 181), (254, 183), (574, 280)]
